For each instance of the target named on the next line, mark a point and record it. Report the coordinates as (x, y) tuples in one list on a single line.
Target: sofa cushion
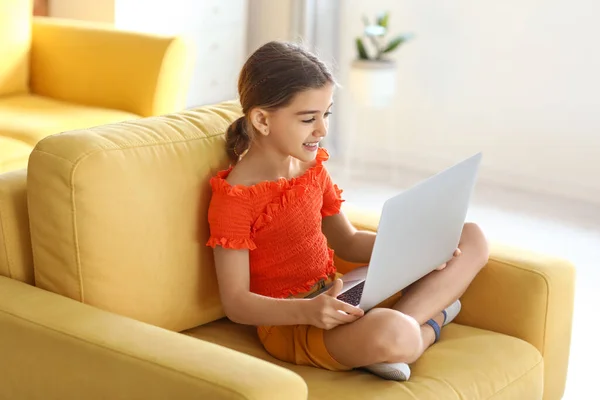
[(467, 363), (31, 118), (13, 154), (119, 215), (16, 260), (15, 41)]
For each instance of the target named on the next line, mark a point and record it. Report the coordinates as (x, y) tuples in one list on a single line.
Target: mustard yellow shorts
[(304, 344)]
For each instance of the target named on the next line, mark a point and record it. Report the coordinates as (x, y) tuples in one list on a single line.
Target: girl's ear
[(258, 118)]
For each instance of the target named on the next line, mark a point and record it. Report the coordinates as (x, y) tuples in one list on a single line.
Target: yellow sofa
[(107, 290), (58, 75)]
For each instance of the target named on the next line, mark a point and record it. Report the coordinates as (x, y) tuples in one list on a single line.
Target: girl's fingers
[(344, 318), (349, 308)]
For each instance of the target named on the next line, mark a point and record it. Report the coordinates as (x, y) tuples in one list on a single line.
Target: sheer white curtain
[(315, 23)]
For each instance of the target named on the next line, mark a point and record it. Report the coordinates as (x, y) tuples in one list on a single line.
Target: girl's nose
[(321, 130)]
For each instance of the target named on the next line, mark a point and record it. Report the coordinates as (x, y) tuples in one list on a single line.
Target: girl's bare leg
[(436, 291), (383, 335)]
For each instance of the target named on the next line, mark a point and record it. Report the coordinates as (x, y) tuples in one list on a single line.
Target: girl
[(275, 214)]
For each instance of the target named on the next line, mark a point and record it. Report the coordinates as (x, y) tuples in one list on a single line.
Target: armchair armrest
[(55, 347), (522, 294), (100, 66), (529, 296)]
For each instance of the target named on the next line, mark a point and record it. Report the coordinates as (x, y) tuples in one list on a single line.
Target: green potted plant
[(373, 72)]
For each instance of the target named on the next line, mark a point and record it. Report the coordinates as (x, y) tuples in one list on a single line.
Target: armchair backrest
[(118, 215)]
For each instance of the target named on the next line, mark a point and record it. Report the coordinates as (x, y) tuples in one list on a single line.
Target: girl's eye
[(313, 119)]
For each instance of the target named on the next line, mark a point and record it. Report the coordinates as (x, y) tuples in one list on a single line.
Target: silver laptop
[(418, 231)]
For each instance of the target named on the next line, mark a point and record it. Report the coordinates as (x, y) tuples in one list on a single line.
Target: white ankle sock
[(452, 311), (390, 371)]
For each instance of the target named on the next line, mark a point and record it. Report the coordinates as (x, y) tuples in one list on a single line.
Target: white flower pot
[(373, 83)]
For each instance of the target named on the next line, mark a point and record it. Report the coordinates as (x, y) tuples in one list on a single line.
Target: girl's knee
[(397, 337), (471, 231), (474, 236)]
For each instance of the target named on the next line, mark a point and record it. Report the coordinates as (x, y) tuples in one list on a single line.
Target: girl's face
[(297, 129)]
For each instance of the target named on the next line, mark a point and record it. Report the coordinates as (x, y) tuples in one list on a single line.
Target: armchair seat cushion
[(469, 363), (30, 118)]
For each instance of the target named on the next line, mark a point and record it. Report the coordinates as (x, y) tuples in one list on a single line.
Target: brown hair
[(269, 79)]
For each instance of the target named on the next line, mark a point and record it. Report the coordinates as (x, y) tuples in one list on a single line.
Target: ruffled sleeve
[(229, 217), (332, 194)]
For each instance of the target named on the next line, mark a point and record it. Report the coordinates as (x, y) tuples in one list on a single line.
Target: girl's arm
[(349, 243), (244, 307)]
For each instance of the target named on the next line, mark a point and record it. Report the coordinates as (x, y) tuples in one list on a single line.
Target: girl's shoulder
[(235, 182)]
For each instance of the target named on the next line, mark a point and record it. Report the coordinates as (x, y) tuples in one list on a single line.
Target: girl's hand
[(326, 311), (457, 253)]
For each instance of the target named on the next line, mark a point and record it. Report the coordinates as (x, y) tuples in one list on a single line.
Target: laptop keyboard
[(353, 295)]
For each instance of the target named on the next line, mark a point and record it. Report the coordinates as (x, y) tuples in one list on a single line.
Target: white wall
[(217, 28), (516, 79), (269, 20)]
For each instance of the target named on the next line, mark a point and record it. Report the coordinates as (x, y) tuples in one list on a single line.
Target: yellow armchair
[(58, 75), (108, 291)]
